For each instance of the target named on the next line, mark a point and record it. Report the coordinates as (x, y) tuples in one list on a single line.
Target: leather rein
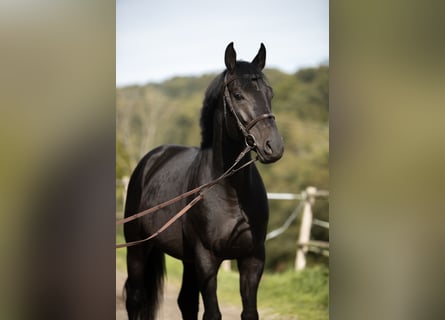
[(201, 190)]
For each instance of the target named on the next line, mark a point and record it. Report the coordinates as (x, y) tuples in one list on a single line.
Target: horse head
[(248, 107)]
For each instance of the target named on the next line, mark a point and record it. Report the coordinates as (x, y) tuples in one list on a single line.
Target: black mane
[(213, 93)]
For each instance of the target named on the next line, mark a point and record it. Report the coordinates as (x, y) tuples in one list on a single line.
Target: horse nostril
[(268, 148)]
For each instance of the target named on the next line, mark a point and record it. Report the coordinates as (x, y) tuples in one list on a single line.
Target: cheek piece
[(248, 137)]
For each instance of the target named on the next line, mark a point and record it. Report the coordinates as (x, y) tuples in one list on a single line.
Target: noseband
[(245, 129)]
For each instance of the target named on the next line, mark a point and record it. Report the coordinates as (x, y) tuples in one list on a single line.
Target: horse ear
[(230, 57), (260, 59)]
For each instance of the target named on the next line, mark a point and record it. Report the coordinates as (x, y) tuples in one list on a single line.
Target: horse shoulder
[(160, 173), (172, 157)]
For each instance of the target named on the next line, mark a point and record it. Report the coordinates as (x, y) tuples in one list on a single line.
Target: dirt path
[(169, 309)]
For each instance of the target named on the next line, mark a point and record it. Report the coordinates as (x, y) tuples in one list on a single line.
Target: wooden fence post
[(305, 228), (226, 265), (125, 181)]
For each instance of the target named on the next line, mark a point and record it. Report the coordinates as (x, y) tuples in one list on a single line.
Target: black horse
[(231, 220)]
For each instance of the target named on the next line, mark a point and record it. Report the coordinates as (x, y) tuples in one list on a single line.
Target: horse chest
[(229, 233), (231, 220)]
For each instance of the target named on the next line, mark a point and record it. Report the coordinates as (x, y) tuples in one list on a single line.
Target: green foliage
[(305, 94), (168, 113), (123, 162), (304, 294)]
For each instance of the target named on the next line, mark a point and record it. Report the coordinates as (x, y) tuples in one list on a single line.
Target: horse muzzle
[(270, 149)]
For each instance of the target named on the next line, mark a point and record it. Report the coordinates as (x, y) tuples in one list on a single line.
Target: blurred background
[(386, 177), (168, 52)]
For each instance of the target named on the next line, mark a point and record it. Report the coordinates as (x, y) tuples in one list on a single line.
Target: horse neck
[(226, 151)]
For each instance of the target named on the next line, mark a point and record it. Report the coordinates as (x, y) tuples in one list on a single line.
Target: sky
[(156, 40)]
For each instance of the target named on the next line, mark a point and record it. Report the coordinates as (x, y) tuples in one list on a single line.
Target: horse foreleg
[(188, 299), (206, 270), (251, 269)]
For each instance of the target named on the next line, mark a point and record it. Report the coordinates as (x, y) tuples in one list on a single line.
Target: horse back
[(160, 176)]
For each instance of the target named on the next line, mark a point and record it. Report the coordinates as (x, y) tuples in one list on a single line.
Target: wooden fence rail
[(304, 244)]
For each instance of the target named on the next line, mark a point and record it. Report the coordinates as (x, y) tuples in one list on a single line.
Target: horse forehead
[(251, 83), (243, 67)]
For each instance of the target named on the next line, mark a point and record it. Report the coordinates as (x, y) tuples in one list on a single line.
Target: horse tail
[(145, 263), (143, 296), (154, 280)]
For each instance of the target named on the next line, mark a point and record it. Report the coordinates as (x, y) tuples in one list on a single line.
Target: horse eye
[(238, 96)]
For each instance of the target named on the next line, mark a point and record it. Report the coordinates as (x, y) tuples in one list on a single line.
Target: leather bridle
[(227, 101)]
